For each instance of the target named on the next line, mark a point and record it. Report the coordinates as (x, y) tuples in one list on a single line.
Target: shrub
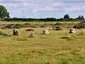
[(42, 26), (58, 28), (58, 23), (17, 26), (26, 24), (29, 29), (10, 26), (80, 25)]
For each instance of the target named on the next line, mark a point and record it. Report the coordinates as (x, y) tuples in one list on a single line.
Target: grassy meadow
[(53, 48)]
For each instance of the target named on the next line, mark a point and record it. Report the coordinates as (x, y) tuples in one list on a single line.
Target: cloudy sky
[(44, 8)]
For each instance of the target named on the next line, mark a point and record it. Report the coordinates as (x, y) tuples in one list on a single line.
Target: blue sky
[(44, 8)]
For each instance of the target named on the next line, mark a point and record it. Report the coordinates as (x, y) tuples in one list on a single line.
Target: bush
[(58, 28), (42, 26), (10, 26), (29, 29), (58, 23), (80, 25), (17, 26), (26, 24)]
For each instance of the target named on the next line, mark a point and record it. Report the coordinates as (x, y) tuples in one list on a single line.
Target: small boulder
[(72, 30), (15, 32), (32, 34), (5, 34), (10, 26), (45, 31), (29, 30)]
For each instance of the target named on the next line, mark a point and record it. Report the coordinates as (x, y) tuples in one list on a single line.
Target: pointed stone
[(6, 34), (15, 32), (32, 34), (72, 30), (45, 31)]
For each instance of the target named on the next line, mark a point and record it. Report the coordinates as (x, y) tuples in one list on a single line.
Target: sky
[(44, 8)]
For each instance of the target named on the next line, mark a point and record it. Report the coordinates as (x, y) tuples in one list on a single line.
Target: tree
[(66, 17), (80, 17), (3, 12)]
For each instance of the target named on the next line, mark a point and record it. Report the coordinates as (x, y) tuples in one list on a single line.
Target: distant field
[(37, 24), (43, 49), (41, 22)]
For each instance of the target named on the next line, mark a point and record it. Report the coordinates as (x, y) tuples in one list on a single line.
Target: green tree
[(66, 17), (3, 12), (80, 17)]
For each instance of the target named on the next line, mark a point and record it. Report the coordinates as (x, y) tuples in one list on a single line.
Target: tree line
[(36, 19)]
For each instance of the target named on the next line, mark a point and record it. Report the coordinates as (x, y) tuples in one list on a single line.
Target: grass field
[(37, 22), (53, 48)]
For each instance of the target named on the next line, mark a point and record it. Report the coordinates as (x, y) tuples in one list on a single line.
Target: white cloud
[(11, 1), (58, 4), (43, 9), (76, 7), (49, 7)]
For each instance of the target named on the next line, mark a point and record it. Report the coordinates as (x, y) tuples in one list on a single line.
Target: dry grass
[(43, 49)]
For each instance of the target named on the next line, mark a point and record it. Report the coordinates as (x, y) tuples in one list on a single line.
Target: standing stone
[(5, 34), (15, 32), (32, 34), (68, 36), (72, 30), (10, 26), (45, 31)]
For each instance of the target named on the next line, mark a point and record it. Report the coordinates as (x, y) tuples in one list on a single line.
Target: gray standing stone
[(72, 30), (15, 32), (32, 34), (45, 31), (5, 33)]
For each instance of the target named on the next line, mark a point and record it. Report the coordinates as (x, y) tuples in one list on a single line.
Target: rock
[(45, 31), (72, 30), (5, 34), (10, 26), (79, 25), (15, 32), (32, 34), (29, 30)]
